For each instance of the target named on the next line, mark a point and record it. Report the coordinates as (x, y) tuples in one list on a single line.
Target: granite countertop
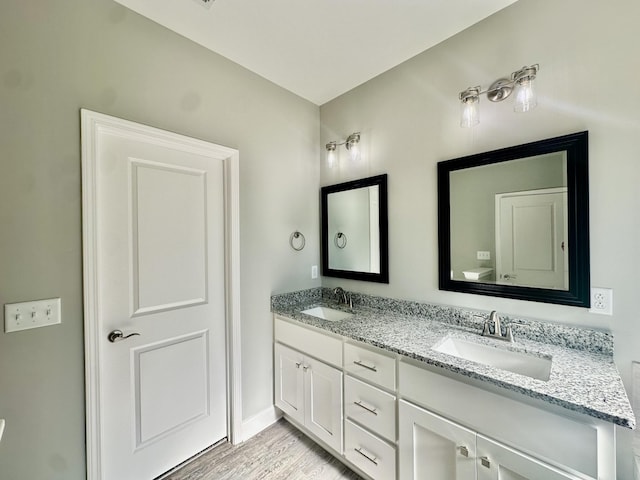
[(580, 380)]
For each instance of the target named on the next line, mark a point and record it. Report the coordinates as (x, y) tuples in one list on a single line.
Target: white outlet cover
[(601, 301)]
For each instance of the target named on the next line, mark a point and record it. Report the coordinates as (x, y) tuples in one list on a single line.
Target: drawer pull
[(298, 364), (485, 462), (368, 409), (464, 451), (368, 367), (373, 460)]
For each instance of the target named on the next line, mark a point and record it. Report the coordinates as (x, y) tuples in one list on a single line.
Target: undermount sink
[(517, 362), (327, 313)]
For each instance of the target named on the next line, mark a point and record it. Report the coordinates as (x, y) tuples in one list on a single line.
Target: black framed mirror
[(355, 232), (514, 222)]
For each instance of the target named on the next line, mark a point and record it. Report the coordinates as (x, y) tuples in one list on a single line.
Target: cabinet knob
[(485, 462), (464, 451)]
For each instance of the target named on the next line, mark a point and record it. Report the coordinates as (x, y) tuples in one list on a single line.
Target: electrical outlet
[(314, 271), (601, 301), (483, 255)]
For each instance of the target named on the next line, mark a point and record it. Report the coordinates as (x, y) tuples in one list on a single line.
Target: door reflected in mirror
[(354, 230), (515, 222), (509, 222)]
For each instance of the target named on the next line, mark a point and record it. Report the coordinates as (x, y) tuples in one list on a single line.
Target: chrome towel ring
[(340, 240), (297, 241)]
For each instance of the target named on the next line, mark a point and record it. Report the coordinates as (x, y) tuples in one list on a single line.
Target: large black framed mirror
[(355, 232), (514, 222)]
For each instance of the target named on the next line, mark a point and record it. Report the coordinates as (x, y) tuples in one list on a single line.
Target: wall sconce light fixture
[(351, 144), (521, 80)]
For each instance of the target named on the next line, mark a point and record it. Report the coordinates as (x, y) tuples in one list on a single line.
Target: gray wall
[(409, 119), (59, 56)]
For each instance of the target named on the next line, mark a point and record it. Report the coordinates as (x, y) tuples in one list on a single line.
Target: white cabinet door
[(310, 392), (289, 388), (323, 402), (499, 462), (434, 447)]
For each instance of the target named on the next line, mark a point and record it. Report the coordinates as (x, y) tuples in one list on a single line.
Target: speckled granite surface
[(583, 375)]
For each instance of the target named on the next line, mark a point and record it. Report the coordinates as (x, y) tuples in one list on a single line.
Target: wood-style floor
[(281, 452)]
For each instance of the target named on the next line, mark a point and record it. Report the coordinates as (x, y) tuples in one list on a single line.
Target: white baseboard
[(259, 422)]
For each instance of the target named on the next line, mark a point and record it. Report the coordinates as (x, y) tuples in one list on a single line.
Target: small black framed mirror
[(355, 231), (514, 222)]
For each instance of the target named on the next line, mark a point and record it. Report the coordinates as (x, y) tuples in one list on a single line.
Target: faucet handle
[(509, 334), (485, 328)]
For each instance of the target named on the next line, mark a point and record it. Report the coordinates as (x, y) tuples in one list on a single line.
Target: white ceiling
[(317, 49)]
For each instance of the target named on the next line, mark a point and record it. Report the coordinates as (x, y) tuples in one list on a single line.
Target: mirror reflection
[(354, 230), (509, 222), (514, 222)]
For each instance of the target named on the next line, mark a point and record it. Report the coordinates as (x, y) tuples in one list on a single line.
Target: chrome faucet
[(345, 297), (497, 328)]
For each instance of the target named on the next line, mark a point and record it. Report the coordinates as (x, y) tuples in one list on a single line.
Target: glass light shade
[(470, 113), (331, 158), (354, 152), (526, 98)]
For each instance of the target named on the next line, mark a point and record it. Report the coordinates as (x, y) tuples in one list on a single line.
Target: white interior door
[(531, 238), (160, 301)]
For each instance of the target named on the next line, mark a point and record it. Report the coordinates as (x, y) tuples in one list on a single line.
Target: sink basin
[(327, 313), (516, 362)]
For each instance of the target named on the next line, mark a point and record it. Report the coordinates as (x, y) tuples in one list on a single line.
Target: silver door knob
[(117, 335)]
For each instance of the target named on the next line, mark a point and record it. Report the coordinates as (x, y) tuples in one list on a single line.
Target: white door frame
[(92, 123)]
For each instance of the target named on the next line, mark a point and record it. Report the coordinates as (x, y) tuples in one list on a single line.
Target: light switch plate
[(483, 255), (26, 315)]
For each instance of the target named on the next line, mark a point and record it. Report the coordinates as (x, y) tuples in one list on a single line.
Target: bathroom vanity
[(392, 391)]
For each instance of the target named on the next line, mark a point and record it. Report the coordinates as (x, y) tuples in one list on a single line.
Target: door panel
[(169, 241), (171, 382)]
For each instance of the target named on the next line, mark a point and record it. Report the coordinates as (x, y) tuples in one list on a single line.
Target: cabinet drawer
[(370, 407), (372, 366), (371, 454), (311, 342)]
